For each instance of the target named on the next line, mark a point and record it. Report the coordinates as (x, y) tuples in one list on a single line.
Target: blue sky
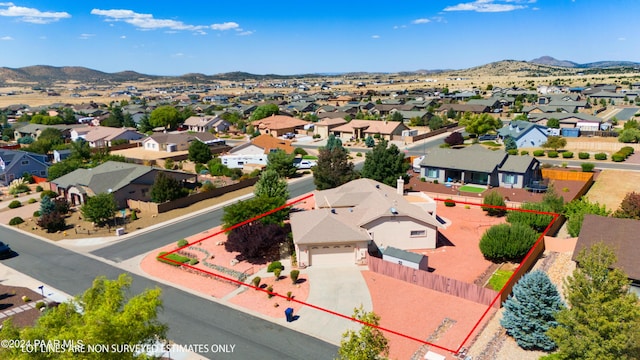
[(296, 37)]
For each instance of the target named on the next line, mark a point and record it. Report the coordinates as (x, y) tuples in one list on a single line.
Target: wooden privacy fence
[(555, 174), (524, 267), (432, 281)]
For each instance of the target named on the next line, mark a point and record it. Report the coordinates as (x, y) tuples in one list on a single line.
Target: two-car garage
[(320, 255)]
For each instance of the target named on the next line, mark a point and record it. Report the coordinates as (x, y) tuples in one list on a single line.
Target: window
[(415, 233), (24, 162), (509, 178), (432, 173)]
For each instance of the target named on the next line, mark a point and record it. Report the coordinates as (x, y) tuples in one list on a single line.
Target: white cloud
[(31, 15), (225, 26), (86, 36), (148, 22), (123, 37), (491, 5), (6, 38), (245, 33), (375, 36), (421, 21)]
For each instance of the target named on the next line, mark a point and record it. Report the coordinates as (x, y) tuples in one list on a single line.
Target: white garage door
[(331, 255)]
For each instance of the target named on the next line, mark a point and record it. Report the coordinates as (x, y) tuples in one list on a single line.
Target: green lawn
[(472, 189), (499, 279), (309, 157)]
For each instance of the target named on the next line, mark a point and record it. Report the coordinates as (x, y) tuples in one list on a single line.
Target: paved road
[(191, 319)]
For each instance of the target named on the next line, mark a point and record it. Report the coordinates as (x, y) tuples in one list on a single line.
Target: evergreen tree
[(271, 185), (509, 143), (385, 164), (332, 142), (603, 318), (333, 168), (165, 188), (530, 310), (199, 152), (282, 163), (369, 142), (99, 208), (47, 206)]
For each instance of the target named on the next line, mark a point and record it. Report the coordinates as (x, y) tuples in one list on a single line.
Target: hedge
[(583, 155), (512, 151), (618, 157), (507, 242), (15, 204), (567, 155), (524, 152), (587, 167), (16, 220), (600, 156), (538, 153)]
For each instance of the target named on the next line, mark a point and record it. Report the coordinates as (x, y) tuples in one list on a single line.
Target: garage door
[(331, 255)]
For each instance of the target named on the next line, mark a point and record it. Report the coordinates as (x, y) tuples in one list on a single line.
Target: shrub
[(583, 155), (256, 281), (193, 262), (15, 204), (36, 213), (600, 156), (618, 157), (31, 201), (294, 276), (274, 265), (40, 305), (289, 296), (449, 203), (182, 242), (423, 179), (51, 194), (524, 152), (435, 181), (587, 167), (277, 272), (567, 155), (176, 257), (359, 154), (25, 298), (52, 222), (494, 199), (16, 221), (39, 188), (507, 242), (512, 151), (270, 291), (316, 136), (134, 215), (552, 154), (627, 150), (538, 153)]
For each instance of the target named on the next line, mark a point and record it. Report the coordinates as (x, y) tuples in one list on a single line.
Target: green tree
[(369, 142), (333, 168), (99, 208), (68, 116), (165, 188), (553, 123), (248, 209), (555, 143), (509, 143), (575, 210), (385, 164), (479, 123), (165, 116), (199, 152), (332, 142), (271, 185), (496, 204), (103, 314), (532, 217), (115, 119), (530, 311), (603, 318), (263, 111), (46, 205), (127, 121), (367, 344), (396, 116), (145, 124), (435, 123), (630, 135), (282, 163), (507, 242), (62, 168), (80, 150)]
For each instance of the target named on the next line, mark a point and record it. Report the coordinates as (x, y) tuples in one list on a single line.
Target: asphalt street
[(192, 319)]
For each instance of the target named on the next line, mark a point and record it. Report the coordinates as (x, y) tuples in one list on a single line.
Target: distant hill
[(44, 74), (550, 61)]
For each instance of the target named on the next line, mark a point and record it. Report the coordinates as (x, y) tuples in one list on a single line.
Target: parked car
[(5, 250), (304, 164), (289, 135), (487, 137)]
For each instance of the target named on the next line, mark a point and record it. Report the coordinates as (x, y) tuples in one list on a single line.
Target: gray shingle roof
[(516, 129), (472, 158), (110, 175), (517, 164)]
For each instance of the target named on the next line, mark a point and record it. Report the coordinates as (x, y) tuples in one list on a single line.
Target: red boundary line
[(291, 203)]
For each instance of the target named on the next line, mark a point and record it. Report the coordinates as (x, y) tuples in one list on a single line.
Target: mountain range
[(44, 75)]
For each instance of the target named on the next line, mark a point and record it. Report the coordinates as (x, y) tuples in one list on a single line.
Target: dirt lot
[(612, 186)]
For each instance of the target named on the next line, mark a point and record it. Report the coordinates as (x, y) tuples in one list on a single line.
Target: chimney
[(400, 187)]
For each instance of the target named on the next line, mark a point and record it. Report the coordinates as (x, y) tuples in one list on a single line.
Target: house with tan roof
[(206, 124), (103, 136), (360, 129), (171, 142), (358, 216), (324, 126), (278, 125)]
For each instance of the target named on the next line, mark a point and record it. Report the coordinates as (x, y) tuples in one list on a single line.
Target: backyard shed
[(405, 258)]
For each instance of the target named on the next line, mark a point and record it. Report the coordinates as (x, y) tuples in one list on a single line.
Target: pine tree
[(385, 164), (529, 311), (47, 206), (602, 321), (333, 168)]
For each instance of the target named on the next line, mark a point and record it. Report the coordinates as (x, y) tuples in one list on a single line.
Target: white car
[(304, 164)]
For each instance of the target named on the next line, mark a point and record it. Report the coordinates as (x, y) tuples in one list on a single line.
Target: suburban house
[(360, 129), (34, 130), (324, 126), (14, 163), (278, 125), (206, 124), (620, 235), (463, 108), (104, 136), (478, 165), (584, 122), (525, 134), (263, 144), (171, 142), (123, 180), (360, 215)]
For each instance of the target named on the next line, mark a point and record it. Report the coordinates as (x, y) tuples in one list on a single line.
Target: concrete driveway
[(338, 289)]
